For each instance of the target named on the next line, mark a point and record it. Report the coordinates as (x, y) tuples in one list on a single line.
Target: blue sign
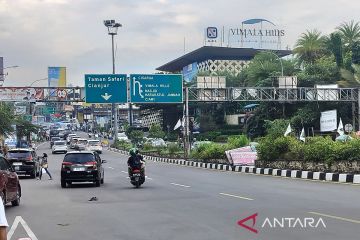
[(156, 88), (105, 88), (189, 72)]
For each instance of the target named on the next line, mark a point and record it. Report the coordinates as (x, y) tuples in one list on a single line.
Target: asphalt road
[(178, 202)]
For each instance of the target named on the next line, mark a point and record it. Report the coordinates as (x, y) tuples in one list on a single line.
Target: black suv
[(25, 161), (82, 166)]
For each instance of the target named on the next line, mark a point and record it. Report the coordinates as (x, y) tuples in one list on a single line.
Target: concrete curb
[(288, 173)]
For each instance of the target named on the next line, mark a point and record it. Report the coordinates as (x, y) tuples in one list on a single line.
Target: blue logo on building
[(212, 32)]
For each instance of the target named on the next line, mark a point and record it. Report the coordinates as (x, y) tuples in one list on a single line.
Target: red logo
[(253, 217)]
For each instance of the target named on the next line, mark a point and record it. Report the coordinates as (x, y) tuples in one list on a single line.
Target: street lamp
[(282, 67), (2, 74), (38, 80), (112, 27)]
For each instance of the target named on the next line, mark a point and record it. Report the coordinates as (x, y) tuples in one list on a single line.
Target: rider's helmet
[(44, 155), (133, 152)]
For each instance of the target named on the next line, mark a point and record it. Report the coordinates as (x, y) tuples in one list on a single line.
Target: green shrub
[(209, 151), (173, 148), (237, 141), (221, 138)]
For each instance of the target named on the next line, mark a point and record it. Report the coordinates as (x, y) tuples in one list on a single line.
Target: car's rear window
[(94, 143), (79, 157), (19, 154), (59, 143), (55, 138), (82, 141)]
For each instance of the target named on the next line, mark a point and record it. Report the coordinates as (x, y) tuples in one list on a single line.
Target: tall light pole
[(282, 67), (2, 74), (112, 27), (38, 80)]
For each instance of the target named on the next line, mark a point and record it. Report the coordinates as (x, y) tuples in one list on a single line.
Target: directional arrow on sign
[(106, 96)]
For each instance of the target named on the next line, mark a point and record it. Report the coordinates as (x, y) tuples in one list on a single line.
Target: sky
[(36, 34)]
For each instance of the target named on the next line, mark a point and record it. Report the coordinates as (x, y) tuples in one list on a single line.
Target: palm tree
[(333, 44), (350, 33), (310, 46)]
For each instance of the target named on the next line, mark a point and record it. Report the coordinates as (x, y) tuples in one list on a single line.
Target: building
[(214, 59)]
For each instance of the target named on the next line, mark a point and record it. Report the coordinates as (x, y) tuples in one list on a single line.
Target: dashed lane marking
[(111, 167), (335, 217), (235, 196), (180, 185)]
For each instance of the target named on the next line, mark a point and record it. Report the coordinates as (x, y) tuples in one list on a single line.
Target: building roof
[(215, 53)]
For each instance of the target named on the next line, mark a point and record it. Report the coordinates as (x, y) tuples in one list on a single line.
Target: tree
[(310, 46), (136, 136), (264, 67), (350, 33), (334, 45), (6, 119), (156, 131), (25, 128)]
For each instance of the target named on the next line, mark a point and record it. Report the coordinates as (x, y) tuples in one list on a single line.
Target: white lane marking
[(111, 167), (335, 217), (180, 185), (230, 195), (124, 172), (148, 178), (19, 219)]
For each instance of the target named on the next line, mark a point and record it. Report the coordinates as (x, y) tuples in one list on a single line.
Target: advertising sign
[(189, 72), (16, 94), (20, 110), (105, 88), (242, 156), (56, 78), (328, 121), (156, 88), (2, 76)]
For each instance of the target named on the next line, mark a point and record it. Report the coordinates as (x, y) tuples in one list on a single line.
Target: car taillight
[(91, 165), (28, 158), (66, 164)]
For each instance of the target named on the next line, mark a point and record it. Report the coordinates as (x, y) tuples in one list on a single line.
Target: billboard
[(328, 121), (2, 76), (56, 78), (189, 72), (19, 94)]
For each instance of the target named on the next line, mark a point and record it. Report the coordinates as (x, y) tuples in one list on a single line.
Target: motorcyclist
[(135, 161)]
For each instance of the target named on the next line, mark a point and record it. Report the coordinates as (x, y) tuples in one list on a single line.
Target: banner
[(242, 156), (15, 94), (56, 78), (328, 121)]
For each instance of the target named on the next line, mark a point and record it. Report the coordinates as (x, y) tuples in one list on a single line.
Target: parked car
[(53, 139), (94, 145), (25, 161), (10, 189), (82, 166), (122, 137), (59, 146), (156, 142), (81, 144)]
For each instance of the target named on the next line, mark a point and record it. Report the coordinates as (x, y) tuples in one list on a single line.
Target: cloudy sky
[(35, 34)]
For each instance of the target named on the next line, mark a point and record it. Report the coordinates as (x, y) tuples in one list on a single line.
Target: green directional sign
[(48, 110), (156, 88), (105, 88), (27, 118)]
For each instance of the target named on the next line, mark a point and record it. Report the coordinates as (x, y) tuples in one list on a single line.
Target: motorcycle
[(137, 175)]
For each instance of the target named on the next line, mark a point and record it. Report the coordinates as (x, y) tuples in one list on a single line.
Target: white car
[(122, 137), (59, 146), (156, 142), (94, 145), (69, 137), (81, 144)]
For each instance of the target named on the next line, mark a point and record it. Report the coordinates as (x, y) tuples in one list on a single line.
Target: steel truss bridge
[(235, 94)]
